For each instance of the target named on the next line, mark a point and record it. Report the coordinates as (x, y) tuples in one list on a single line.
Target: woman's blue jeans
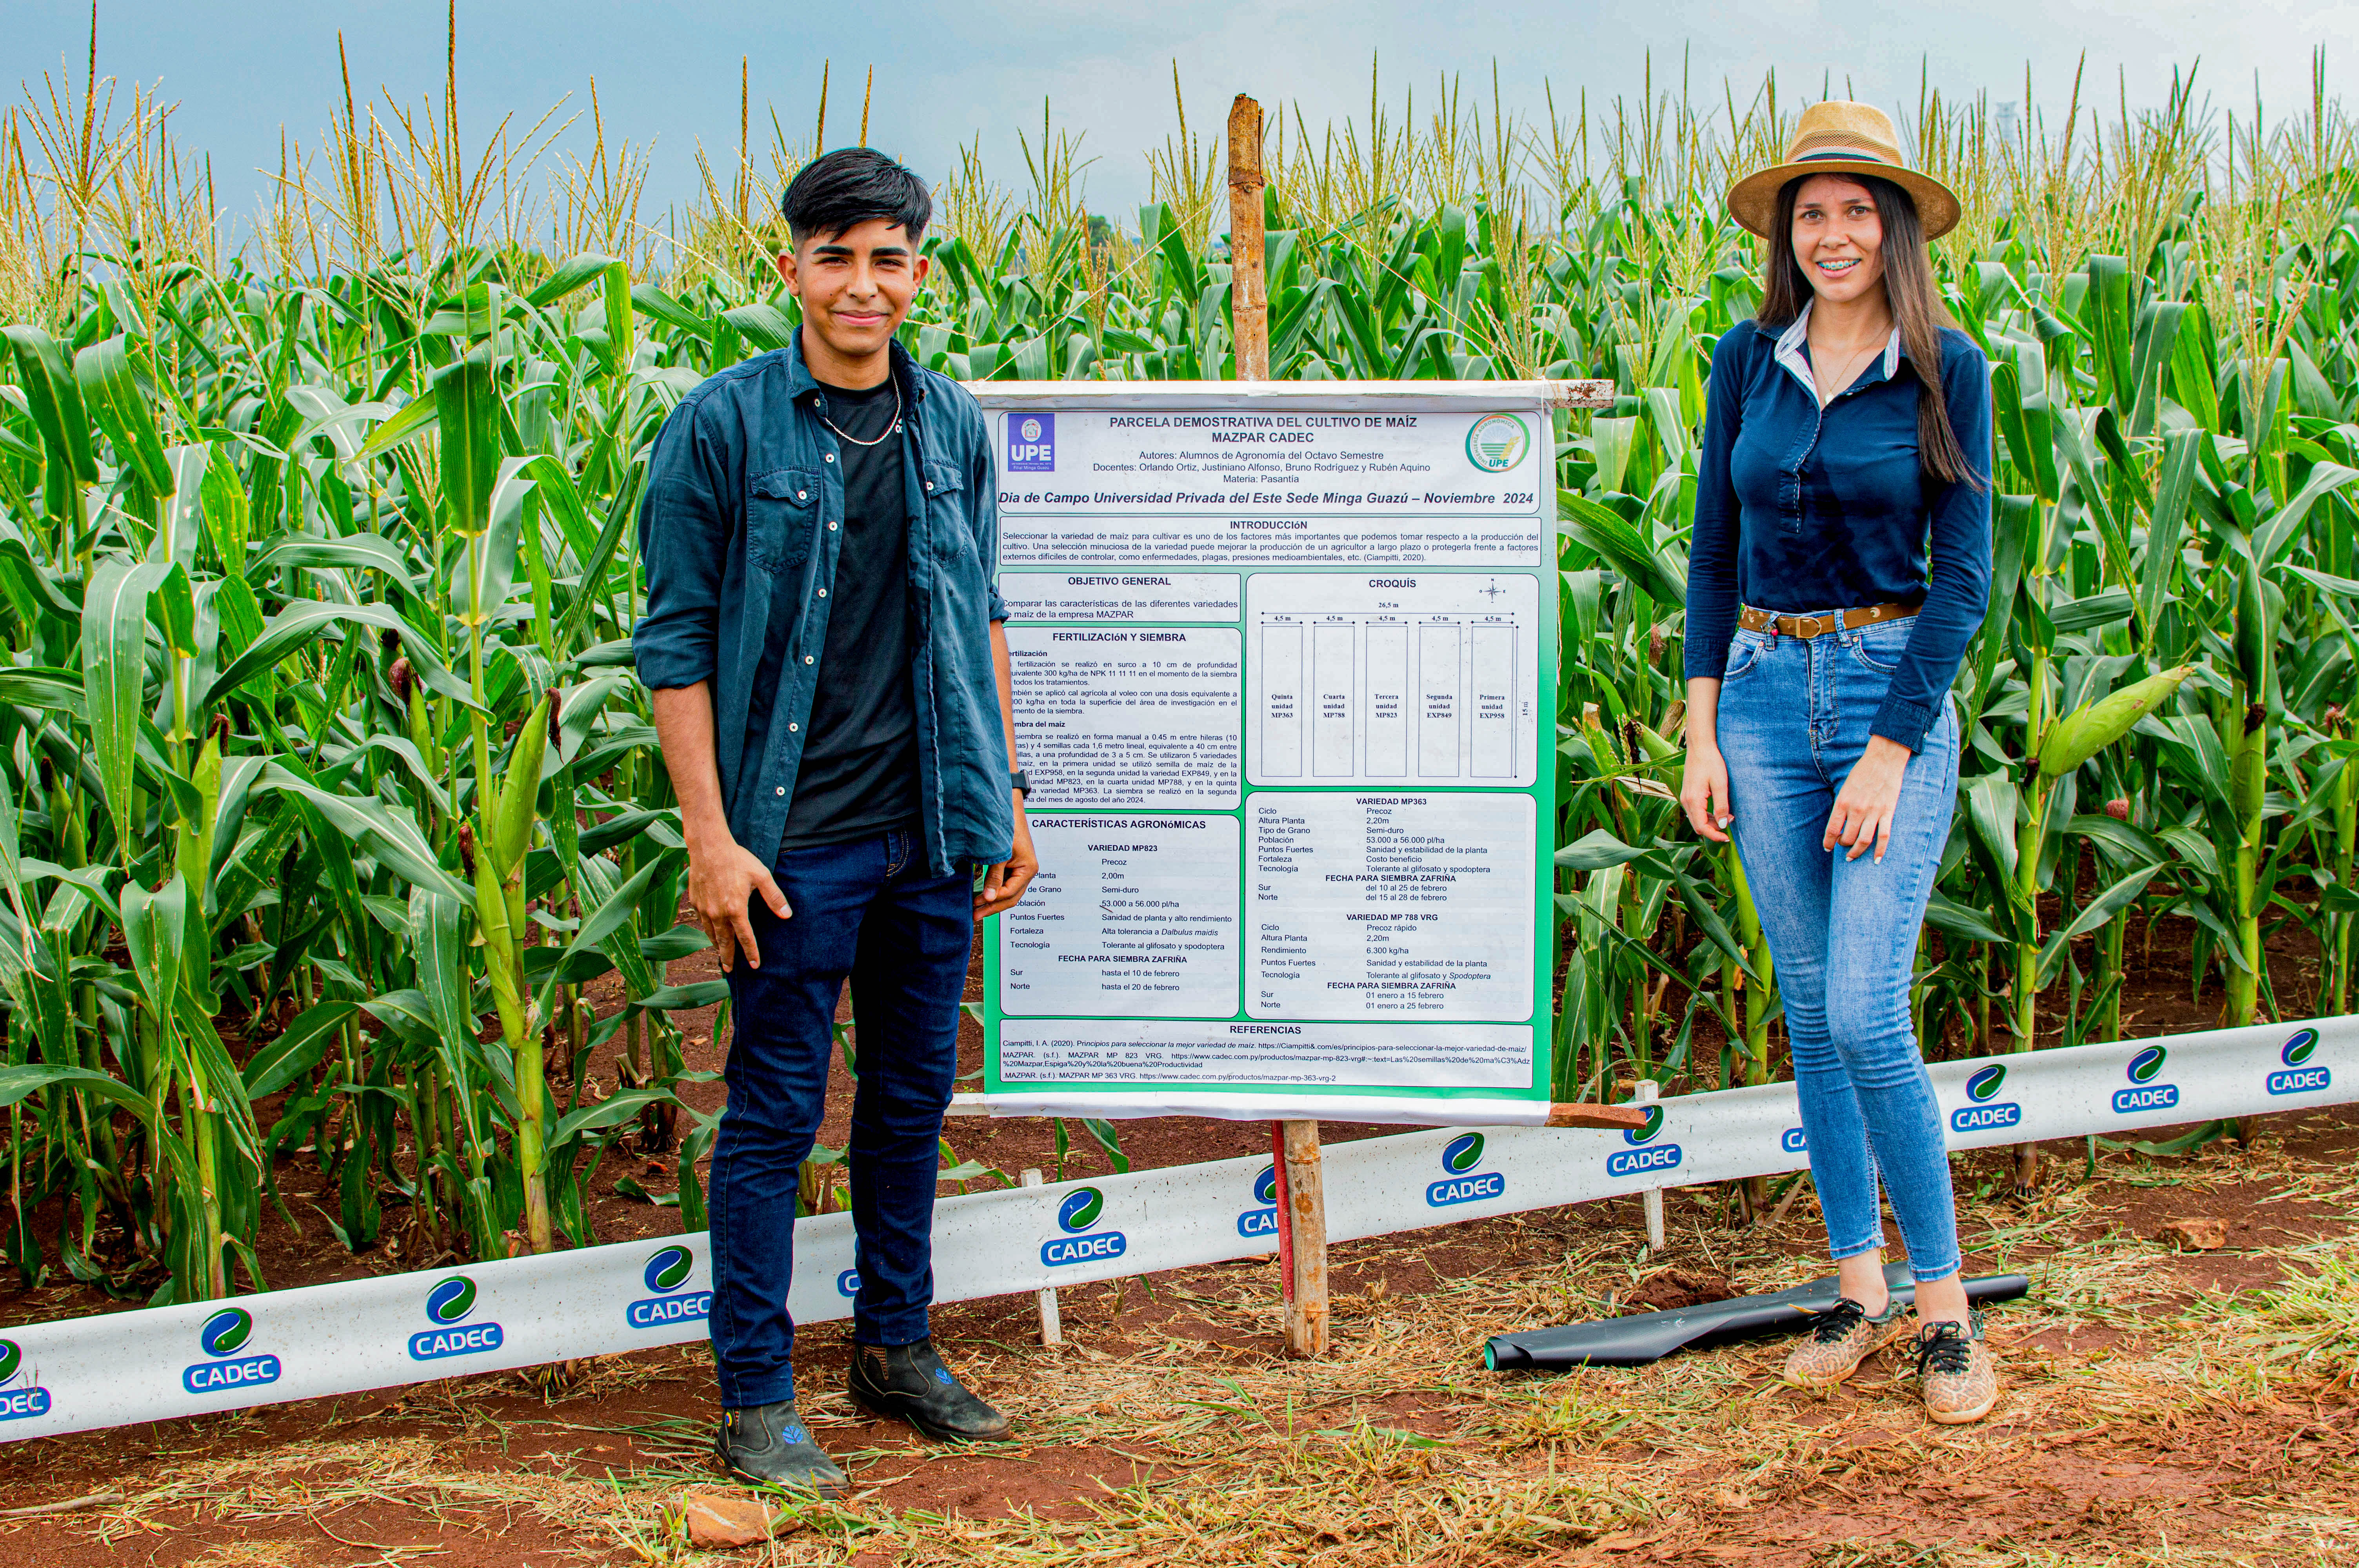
[(1794, 716), (867, 910)]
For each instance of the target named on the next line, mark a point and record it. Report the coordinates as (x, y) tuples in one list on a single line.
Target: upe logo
[(222, 1336), (1497, 442), (1644, 1155), (447, 1306), (2143, 1093), (1978, 1114), (666, 1272), (2299, 1077), (1032, 443), (1262, 1220), (1795, 1141), (16, 1403), (1459, 1157), (1083, 1207)]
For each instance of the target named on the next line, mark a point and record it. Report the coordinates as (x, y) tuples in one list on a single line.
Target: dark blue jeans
[(868, 910)]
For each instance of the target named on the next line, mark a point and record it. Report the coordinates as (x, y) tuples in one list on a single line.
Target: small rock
[(2196, 1233), (717, 1521)]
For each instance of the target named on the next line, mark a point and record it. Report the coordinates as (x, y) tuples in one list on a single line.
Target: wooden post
[(1647, 1092), (1052, 1326), (1294, 1145), (1302, 1214), (1248, 290)]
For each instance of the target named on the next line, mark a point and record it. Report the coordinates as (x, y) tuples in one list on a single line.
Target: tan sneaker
[(1842, 1336), (1958, 1371)]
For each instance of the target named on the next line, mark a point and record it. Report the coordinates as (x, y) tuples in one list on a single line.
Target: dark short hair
[(853, 185)]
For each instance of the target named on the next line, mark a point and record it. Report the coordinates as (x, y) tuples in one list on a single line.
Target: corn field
[(328, 788)]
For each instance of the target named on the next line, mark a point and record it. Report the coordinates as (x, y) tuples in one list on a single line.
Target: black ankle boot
[(908, 1382), (770, 1443)]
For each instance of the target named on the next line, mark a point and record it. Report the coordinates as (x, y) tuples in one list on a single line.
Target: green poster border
[(1542, 792)]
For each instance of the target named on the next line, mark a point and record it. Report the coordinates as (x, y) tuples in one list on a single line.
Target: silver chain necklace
[(889, 430)]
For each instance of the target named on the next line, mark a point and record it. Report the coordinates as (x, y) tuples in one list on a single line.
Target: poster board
[(1284, 666)]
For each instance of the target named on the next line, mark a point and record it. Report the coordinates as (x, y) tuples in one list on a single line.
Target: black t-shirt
[(859, 771)]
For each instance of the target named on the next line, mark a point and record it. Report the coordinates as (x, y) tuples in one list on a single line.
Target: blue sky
[(667, 73)]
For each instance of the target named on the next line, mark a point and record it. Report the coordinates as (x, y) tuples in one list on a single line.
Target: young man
[(823, 640)]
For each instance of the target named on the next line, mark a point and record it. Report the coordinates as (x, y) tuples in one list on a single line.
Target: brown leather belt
[(1754, 620)]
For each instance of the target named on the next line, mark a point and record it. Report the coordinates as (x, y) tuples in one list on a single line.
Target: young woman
[(1841, 562)]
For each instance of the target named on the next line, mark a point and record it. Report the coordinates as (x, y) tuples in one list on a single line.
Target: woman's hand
[(1870, 794), (1704, 781), (1704, 788)]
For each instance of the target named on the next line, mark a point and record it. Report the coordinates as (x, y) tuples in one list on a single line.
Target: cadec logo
[(222, 1336), (1979, 1115), (2299, 1077), (1083, 1207), (1497, 442), (1795, 1141), (2143, 1093), (847, 1284), (1261, 1220), (1644, 1154), (447, 1306), (666, 1272), (1032, 443), (16, 1403), (1459, 1157)]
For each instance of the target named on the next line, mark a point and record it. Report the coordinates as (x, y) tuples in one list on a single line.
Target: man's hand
[(722, 881), (1870, 794), (1004, 883), (723, 875)]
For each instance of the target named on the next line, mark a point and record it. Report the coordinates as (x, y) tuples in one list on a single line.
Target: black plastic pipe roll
[(1646, 1337)]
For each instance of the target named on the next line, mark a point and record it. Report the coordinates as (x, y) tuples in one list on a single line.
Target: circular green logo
[(11, 1358), (1647, 1131), (451, 1299), (668, 1269), (226, 1332), (1497, 442), (1081, 1209)]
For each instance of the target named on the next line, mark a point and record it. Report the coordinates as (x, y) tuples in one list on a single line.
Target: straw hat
[(1838, 136)]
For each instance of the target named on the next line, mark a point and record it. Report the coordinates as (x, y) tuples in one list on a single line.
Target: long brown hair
[(1916, 310)]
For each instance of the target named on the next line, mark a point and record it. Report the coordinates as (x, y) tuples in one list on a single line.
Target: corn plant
[(330, 795)]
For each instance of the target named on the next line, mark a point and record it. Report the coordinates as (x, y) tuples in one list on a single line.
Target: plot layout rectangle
[(1427, 678)]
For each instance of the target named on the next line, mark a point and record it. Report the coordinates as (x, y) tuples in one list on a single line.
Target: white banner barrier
[(165, 1362)]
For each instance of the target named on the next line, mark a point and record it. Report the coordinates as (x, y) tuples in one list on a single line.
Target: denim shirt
[(744, 498), (1803, 510)]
